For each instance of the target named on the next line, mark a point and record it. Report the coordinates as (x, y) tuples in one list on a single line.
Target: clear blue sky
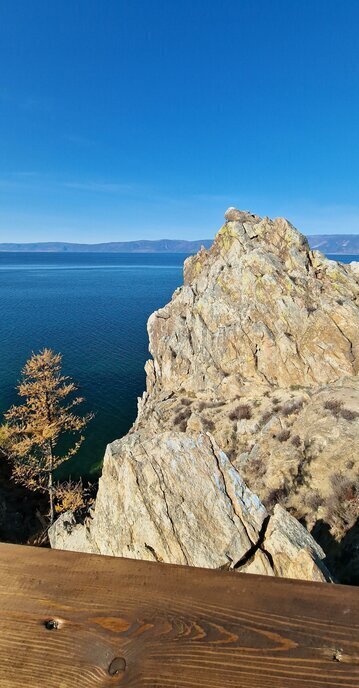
[(124, 119)]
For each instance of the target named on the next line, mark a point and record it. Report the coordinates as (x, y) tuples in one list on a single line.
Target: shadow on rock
[(342, 557)]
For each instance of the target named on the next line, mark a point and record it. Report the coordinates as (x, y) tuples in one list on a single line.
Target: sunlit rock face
[(178, 499), (258, 307), (252, 389)]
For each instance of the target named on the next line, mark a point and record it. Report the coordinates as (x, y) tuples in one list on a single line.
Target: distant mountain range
[(340, 244), (160, 246)]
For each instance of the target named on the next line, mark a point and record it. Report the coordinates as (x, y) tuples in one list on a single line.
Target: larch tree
[(45, 420)]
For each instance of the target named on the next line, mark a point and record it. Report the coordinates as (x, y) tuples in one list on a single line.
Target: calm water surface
[(93, 308)]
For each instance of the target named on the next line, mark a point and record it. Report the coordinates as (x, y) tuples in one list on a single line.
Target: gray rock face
[(260, 334), (234, 215), (175, 498)]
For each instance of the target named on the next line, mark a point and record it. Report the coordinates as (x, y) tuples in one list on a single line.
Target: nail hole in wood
[(117, 666), (51, 624)]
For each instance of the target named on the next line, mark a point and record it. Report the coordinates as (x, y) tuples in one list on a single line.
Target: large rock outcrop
[(258, 307), (175, 498), (257, 354)]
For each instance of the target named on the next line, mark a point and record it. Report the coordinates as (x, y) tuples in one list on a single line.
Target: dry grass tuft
[(296, 441), (283, 435), (242, 412), (342, 507)]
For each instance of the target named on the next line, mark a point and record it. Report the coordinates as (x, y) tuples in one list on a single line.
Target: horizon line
[(152, 241)]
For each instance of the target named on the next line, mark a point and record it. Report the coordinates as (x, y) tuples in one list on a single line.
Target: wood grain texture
[(75, 620)]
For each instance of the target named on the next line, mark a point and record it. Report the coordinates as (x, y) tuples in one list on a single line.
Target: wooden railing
[(77, 621)]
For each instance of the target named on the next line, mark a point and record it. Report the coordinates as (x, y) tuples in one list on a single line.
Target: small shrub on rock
[(208, 424), (242, 412), (296, 441), (258, 467), (72, 496), (343, 504), (283, 435), (314, 500), (334, 406), (276, 408), (276, 496), (180, 417), (348, 414)]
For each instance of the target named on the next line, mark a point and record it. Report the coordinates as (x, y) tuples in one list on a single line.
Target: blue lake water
[(93, 308)]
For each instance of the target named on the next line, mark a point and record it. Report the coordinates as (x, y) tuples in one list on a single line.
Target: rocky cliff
[(253, 378)]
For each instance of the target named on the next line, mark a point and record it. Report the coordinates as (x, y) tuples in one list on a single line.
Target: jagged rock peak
[(234, 215), (258, 306)]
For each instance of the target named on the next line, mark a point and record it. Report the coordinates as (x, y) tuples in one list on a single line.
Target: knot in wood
[(117, 666)]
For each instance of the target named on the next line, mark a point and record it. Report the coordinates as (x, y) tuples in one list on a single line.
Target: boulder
[(178, 499)]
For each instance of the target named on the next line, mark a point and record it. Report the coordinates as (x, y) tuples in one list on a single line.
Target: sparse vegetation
[(256, 467), (334, 406), (342, 508), (182, 416), (276, 496), (348, 414), (283, 435), (314, 500), (276, 407), (208, 424), (242, 412), (296, 441), (72, 496)]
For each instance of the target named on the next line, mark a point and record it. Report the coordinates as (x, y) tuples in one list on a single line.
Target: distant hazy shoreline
[(337, 244)]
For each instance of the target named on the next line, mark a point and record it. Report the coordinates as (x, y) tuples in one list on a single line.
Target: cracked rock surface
[(175, 498), (261, 336)]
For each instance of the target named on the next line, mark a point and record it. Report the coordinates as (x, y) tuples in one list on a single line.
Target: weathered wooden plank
[(73, 620)]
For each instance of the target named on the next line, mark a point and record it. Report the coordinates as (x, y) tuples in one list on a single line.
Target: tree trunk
[(51, 485), (51, 499)]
